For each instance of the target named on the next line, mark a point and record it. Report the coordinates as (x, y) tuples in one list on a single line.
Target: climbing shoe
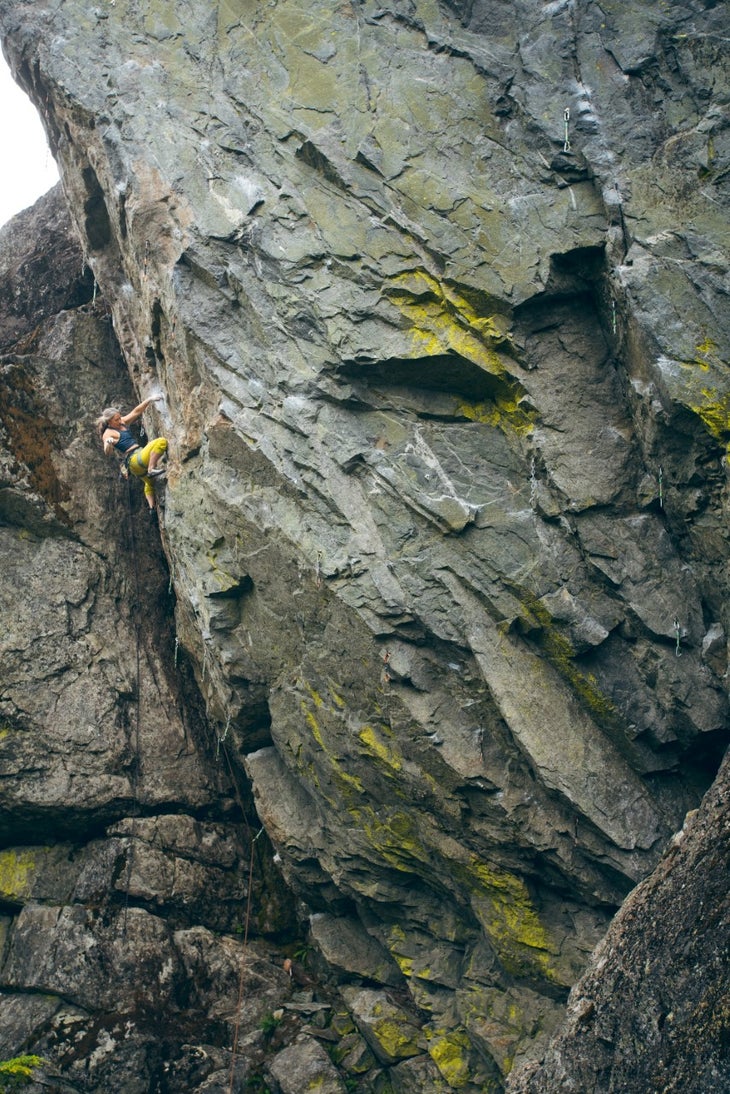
[(156, 472)]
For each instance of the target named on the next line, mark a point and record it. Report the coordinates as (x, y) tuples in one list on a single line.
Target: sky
[(28, 167)]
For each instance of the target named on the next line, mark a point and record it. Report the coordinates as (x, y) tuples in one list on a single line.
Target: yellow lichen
[(336, 698), (706, 348), (395, 837), (443, 322), (378, 747), (449, 1050), (502, 903), (504, 410), (709, 403), (342, 776), (397, 1037), (314, 726), (405, 964), (16, 869), (560, 654), (491, 1016), (715, 413), (315, 697)]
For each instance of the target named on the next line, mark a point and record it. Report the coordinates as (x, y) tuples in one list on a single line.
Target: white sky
[(28, 167)]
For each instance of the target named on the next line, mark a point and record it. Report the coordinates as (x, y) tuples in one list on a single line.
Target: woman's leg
[(157, 450), (146, 459), (143, 461)]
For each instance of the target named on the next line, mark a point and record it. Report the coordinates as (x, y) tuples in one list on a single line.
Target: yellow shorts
[(139, 461)]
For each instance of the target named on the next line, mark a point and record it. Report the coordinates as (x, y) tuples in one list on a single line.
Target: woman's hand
[(110, 439)]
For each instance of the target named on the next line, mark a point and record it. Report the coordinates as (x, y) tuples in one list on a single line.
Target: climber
[(141, 461)]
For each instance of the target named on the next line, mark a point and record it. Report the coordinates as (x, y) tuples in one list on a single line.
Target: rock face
[(651, 1013), (125, 862), (436, 298)]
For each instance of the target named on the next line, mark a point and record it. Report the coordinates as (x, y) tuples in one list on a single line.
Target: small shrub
[(302, 953), (269, 1022), (17, 1073), (255, 1084)]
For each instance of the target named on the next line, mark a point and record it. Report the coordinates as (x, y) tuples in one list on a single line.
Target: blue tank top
[(126, 441)]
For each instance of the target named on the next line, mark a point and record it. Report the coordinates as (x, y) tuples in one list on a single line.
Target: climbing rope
[(242, 970), (220, 746), (137, 720)]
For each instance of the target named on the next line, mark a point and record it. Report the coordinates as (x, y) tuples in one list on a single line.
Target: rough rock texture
[(125, 872), (653, 1011), (436, 294)]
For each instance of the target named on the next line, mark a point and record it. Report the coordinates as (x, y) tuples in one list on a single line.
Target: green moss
[(18, 1072), (342, 1023), (16, 869)]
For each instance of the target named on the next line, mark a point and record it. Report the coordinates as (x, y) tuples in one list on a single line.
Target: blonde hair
[(102, 423)]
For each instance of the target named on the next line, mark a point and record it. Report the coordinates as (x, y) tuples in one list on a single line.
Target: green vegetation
[(18, 1072), (301, 954), (256, 1084), (269, 1022)]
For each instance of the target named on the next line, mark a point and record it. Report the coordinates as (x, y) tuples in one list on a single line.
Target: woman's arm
[(110, 438), (139, 410)]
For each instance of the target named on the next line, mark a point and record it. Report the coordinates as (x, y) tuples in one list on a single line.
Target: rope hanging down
[(137, 719), (242, 971), (220, 746)]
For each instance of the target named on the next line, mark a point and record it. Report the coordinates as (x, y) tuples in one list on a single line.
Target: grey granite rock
[(434, 293)]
